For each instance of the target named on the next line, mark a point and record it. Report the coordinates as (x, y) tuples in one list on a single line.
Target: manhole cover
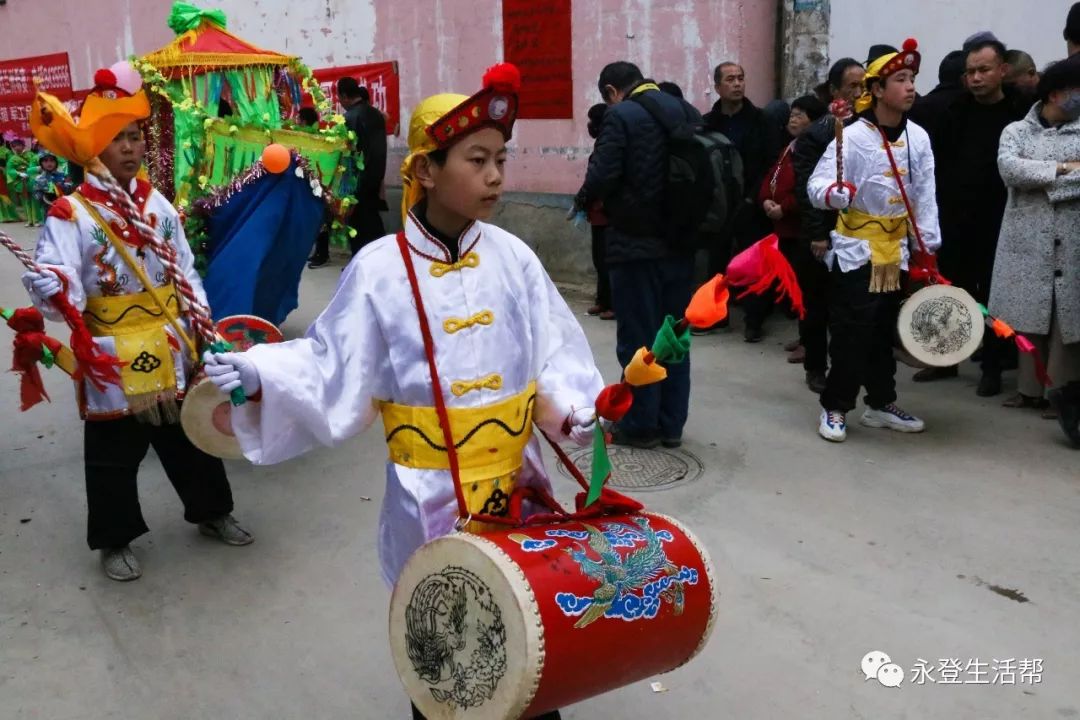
[(635, 469)]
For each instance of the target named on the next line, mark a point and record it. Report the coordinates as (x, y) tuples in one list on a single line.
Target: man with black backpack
[(655, 182), (744, 124)]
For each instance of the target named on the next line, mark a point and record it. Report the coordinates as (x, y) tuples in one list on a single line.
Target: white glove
[(581, 426), (45, 284), (838, 198), (232, 370)]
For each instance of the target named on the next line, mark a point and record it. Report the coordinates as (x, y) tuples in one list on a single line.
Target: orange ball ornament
[(276, 158)]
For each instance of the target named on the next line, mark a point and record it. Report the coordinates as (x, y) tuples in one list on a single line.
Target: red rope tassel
[(92, 364)]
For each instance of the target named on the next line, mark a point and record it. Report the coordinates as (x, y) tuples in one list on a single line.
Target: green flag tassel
[(237, 395), (185, 17), (601, 465), (47, 358), (6, 313), (671, 346)]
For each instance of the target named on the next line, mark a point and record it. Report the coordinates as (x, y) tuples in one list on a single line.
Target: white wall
[(942, 25)]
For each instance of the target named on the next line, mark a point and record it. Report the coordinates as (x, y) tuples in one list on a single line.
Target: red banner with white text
[(381, 80), (17, 87)]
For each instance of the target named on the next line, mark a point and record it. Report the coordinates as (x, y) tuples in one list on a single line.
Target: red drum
[(515, 623)]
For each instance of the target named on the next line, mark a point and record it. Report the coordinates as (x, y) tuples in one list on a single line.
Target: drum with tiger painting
[(515, 623)]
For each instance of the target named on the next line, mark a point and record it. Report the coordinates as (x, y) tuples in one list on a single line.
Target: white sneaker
[(833, 426), (894, 418)]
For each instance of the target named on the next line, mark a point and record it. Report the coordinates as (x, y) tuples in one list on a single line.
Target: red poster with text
[(537, 38), (381, 80), (17, 87)]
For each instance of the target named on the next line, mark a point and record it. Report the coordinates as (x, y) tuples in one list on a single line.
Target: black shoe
[(753, 334), (672, 442), (317, 262), (643, 442), (931, 374), (815, 381), (989, 384), (1067, 403)]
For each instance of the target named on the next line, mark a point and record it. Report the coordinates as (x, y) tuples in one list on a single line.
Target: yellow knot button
[(471, 260)]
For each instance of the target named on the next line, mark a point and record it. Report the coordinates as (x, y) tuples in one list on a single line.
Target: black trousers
[(603, 280), (367, 222), (971, 267), (862, 325), (113, 451), (322, 245), (813, 277)]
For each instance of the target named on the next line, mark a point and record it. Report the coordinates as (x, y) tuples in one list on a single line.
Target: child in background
[(50, 184)]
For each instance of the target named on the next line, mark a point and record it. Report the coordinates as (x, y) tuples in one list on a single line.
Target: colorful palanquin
[(217, 101)]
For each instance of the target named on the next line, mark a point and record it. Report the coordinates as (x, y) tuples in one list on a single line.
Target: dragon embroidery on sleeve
[(107, 276)]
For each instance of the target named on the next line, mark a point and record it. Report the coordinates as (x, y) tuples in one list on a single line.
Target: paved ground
[(823, 553)]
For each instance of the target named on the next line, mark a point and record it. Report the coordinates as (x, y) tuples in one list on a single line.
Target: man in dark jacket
[(746, 126), (369, 126), (845, 83), (930, 108), (649, 279), (965, 150)]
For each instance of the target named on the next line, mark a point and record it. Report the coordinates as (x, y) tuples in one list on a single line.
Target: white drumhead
[(206, 416), (941, 325), (465, 631)]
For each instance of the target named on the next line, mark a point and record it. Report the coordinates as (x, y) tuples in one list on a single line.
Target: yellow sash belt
[(137, 327), (885, 235), (490, 443)]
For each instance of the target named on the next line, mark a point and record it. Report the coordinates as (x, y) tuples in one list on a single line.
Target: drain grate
[(642, 470)]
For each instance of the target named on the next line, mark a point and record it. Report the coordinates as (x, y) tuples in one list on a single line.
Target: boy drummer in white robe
[(507, 347)]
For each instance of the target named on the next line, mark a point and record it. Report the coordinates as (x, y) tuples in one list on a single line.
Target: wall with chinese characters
[(441, 45)]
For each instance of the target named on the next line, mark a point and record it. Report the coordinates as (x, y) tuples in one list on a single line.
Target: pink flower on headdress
[(127, 77), (120, 77)]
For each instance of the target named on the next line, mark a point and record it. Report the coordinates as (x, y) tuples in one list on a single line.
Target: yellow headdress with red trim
[(442, 120), (116, 101), (907, 59)]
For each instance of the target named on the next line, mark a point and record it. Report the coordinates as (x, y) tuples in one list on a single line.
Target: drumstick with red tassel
[(96, 366), (841, 111)]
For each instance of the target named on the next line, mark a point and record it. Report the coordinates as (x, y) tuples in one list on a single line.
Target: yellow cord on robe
[(491, 382), (453, 325), (438, 269)]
